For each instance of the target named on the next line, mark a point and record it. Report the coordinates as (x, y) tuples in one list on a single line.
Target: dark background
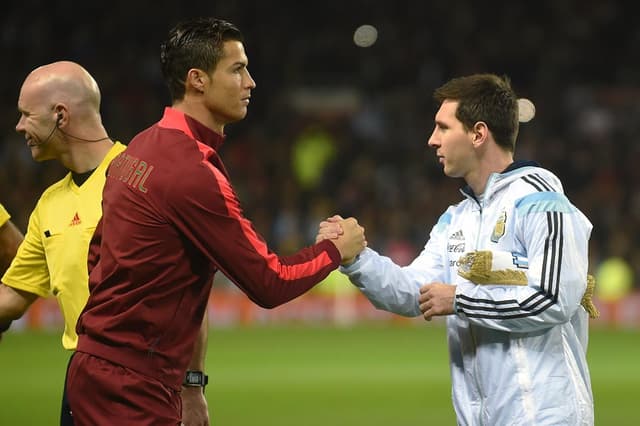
[(359, 116)]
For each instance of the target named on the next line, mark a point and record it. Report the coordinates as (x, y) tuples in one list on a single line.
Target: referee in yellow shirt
[(60, 119)]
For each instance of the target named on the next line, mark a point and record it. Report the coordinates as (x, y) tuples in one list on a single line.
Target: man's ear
[(197, 79), (480, 133)]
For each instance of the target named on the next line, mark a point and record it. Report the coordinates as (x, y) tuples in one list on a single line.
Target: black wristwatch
[(195, 378)]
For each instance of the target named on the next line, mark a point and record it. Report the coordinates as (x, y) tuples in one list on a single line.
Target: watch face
[(195, 378)]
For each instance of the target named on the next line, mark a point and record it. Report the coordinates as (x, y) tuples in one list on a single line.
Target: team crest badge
[(498, 230)]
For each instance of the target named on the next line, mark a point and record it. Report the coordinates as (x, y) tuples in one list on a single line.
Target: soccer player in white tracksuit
[(517, 353)]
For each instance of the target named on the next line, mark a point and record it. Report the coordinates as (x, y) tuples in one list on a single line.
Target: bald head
[(64, 82), (59, 107)]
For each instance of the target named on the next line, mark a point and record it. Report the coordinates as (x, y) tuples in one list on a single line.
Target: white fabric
[(517, 353)]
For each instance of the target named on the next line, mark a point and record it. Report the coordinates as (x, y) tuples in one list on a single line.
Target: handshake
[(346, 234)]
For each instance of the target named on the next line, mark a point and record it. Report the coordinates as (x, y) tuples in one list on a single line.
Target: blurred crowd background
[(337, 128)]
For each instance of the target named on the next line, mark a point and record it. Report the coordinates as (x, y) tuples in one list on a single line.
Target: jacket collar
[(174, 119), (516, 165)]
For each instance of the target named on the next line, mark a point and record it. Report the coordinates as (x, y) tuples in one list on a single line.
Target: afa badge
[(498, 230)]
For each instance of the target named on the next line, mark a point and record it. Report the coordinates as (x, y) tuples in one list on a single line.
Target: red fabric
[(171, 219), (102, 393)]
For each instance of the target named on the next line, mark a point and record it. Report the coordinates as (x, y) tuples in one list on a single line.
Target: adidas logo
[(76, 220), (458, 235)]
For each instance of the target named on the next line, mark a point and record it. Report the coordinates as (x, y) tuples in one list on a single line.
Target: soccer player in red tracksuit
[(171, 219)]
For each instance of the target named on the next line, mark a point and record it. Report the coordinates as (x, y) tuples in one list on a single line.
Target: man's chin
[(236, 117), (39, 156), (450, 173)]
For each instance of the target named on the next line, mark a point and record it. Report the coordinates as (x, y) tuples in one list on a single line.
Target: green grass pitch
[(307, 375)]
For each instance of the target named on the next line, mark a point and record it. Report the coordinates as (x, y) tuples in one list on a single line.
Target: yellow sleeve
[(29, 270), (4, 215)]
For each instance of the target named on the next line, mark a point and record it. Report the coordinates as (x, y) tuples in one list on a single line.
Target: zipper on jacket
[(471, 326)]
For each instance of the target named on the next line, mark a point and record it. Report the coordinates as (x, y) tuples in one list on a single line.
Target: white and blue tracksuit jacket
[(517, 353)]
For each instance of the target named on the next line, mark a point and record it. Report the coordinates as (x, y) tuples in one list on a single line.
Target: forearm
[(388, 286), (231, 243), (517, 309), (200, 348), (13, 303), (515, 299), (270, 280), (195, 409)]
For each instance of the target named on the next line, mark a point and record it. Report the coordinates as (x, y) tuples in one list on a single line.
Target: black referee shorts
[(66, 417)]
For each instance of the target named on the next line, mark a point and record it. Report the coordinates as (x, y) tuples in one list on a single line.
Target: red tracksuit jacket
[(171, 219)]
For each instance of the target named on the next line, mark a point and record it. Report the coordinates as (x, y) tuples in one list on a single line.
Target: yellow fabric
[(4, 215), (478, 267), (52, 260), (586, 302)]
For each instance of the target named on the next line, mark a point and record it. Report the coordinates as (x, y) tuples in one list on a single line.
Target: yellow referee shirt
[(52, 260), (4, 215)]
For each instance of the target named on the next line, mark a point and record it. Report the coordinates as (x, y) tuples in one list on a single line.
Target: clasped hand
[(347, 235)]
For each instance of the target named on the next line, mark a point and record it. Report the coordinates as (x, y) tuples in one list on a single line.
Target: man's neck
[(197, 110), (477, 180), (86, 156)]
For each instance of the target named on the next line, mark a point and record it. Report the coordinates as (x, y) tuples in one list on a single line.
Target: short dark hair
[(194, 43), (488, 98)]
